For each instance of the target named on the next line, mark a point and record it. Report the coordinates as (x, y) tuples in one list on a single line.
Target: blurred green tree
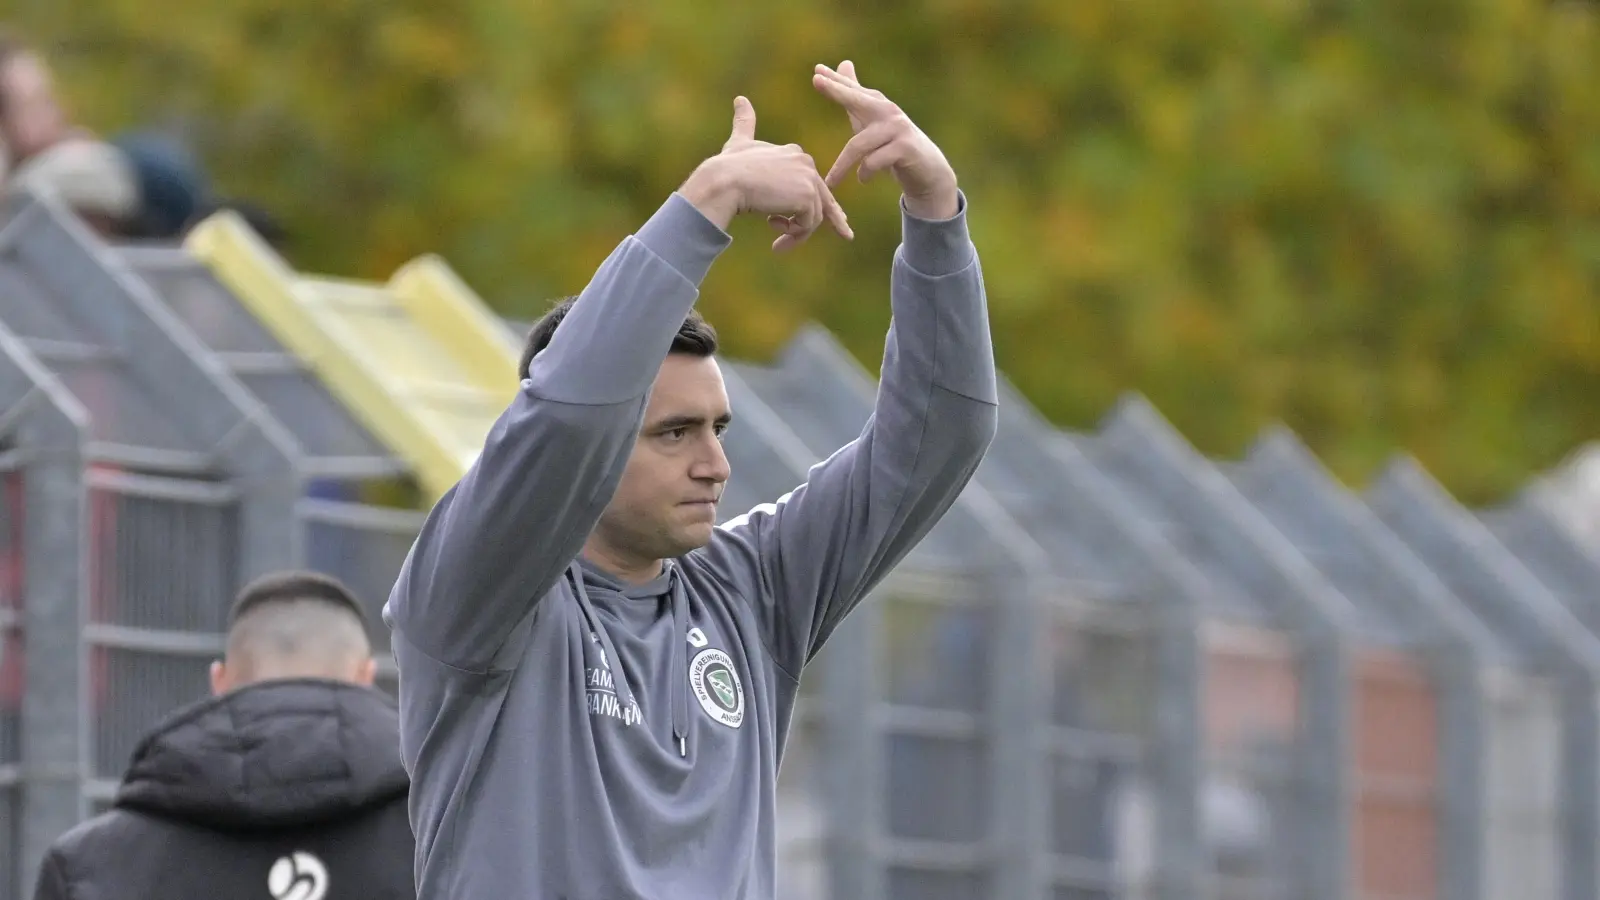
[(1377, 223)]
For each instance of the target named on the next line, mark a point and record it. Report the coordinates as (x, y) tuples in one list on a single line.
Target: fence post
[(1018, 726), (1483, 572), (1248, 553), (56, 571), (1093, 541), (853, 780), (1570, 571), (47, 428)]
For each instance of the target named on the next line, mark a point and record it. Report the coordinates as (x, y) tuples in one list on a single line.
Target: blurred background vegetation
[(1376, 222)]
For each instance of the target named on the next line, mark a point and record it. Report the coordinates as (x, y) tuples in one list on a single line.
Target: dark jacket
[(290, 790)]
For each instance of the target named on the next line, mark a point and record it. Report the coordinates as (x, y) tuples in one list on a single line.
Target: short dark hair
[(695, 337), (295, 585)]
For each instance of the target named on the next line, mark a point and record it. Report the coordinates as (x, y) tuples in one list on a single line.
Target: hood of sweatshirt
[(286, 753), (591, 584)]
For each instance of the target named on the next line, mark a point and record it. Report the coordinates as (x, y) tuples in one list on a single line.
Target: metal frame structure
[(1403, 607), (179, 456), (357, 512), (44, 435), (967, 594), (1541, 774), (1109, 663), (1543, 543), (1114, 582), (1278, 669), (420, 361)]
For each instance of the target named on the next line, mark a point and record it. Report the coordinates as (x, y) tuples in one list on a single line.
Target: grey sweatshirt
[(572, 738)]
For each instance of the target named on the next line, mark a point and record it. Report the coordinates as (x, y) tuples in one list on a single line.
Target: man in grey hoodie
[(596, 680)]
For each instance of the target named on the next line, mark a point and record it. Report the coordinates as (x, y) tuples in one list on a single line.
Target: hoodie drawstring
[(680, 667), (618, 678)]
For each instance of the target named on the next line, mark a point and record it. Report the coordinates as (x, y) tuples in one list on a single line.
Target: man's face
[(666, 504), (33, 120)]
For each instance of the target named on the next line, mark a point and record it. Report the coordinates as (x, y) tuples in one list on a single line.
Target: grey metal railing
[(1541, 780), (183, 491), (942, 743), (1127, 682), (43, 435), (1278, 683), (354, 516), (1117, 669), (1420, 737)]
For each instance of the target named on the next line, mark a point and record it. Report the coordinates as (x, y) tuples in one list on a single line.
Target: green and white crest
[(716, 685)]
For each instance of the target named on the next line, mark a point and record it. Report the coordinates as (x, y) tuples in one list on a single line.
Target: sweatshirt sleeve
[(502, 536), (807, 560)]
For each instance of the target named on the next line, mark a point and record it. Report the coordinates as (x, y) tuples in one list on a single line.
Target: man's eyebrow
[(671, 423)]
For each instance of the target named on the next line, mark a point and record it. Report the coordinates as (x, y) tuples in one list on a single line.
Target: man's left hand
[(886, 138)]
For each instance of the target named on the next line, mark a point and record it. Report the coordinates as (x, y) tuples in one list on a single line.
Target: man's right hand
[(779, 182)]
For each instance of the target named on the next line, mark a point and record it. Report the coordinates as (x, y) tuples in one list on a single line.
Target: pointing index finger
[(857, 149), (840, 91)]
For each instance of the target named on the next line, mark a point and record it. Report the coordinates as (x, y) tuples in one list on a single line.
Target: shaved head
[(295, 625)]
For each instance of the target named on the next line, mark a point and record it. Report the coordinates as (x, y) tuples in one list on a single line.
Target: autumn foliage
[(1376, 222)]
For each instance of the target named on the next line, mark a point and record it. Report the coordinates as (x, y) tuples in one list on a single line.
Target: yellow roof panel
[(421, 361)]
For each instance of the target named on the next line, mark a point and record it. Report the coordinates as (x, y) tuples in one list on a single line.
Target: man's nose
[(712, 465)]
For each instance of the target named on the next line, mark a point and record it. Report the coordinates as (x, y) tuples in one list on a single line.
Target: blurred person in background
[(142, 185), (176, 193), (286, 783), (596, 679), (40, 149)]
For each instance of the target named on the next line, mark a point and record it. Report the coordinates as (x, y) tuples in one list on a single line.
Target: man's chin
[(692, 537)]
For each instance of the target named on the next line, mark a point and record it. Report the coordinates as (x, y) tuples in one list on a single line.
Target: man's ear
[(221, 683), (367, 673)]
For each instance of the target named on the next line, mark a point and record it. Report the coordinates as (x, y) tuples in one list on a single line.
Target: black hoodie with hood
[(281, 790)]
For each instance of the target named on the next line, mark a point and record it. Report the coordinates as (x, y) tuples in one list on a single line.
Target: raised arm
[(498, 540), (502, 536), (821, 548)]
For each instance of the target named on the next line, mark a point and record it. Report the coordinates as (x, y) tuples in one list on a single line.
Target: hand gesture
[(886, 138), (780, 182)]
